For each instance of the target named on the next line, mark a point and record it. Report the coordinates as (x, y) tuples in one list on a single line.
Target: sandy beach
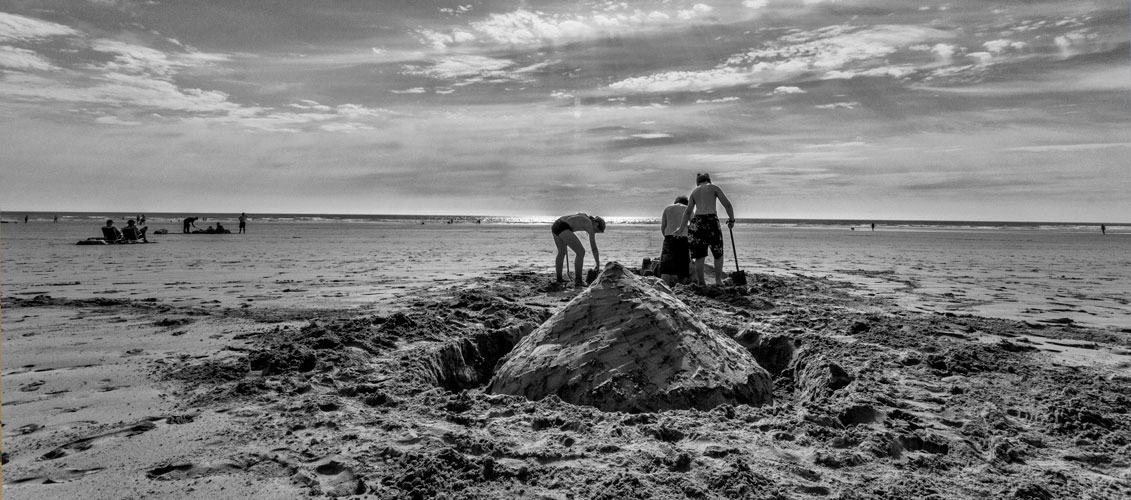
[(315, 359)]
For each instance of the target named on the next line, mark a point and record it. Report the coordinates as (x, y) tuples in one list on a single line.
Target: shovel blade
[(738, 277)]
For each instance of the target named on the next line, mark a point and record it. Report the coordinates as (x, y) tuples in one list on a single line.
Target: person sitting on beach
[(132, 232), (220, 228), (703, 229), (563, 230), (191, 221), (675, 257), (110, 233)]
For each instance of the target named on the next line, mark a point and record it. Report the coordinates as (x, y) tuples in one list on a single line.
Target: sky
[(846, 109)]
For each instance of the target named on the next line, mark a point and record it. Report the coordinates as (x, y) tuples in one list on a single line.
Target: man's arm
[(663, 222), (687, 214), (593, 246), (726, 205)]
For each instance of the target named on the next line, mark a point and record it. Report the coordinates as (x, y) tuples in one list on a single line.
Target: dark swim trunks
[(559, 226), (674, 257), (702, 233)]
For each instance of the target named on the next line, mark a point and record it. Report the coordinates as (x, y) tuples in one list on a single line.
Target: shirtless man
[(674, 256), (564, 229), (703, 229)]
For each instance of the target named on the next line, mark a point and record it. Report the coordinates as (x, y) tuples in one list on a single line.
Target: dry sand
[(326, 366)]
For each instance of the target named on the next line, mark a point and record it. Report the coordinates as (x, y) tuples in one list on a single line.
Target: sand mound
[(623, 345)]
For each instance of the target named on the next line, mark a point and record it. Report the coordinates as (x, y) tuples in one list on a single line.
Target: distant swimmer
[(1103, 229), (563, 230), (702, 228), (190, 222)]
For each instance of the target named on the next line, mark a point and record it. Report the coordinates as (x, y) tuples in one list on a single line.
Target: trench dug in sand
[(626, 344)]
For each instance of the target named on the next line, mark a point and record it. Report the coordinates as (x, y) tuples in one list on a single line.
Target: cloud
[(718, 100), (838, 105), (788, 90), (23, 59), (834, 51), (526, 27), (457, 67), (135, 59), (755, 4), (14, 27), (980, 57), (1068, 148), (999, 46)]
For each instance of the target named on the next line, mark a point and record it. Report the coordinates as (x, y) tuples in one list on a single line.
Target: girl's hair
[(701, 178)]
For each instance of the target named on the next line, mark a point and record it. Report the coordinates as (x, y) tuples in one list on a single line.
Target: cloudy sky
[(887, 109)]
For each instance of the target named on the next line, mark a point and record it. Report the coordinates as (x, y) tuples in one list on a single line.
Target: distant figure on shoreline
[(703, 229), (56, 219), (563, 230), (25, 219), (1103, 229), (243, 222), (141, 220), (873, 226), (675, 255), (191, 221)]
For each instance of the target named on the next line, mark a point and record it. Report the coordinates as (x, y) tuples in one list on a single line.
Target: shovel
[(738, 276)]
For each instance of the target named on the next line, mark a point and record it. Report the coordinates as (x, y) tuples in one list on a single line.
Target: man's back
[(672, 217), (703, 198)]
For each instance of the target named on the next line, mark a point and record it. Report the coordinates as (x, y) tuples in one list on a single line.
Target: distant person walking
[(702, 228), (675, 256), (873, 226), (243, 222), (56, 219), (190, 222), (563, 230), (25, 219), (1103, 229)]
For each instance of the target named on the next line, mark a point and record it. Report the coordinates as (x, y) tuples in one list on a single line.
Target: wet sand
[(302, 360)]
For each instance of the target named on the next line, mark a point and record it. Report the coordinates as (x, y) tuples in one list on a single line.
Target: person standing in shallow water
[(564, 230), (1103, 229), (701, 225)]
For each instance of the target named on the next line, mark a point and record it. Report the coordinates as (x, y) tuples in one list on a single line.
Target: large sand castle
[(627, 344)]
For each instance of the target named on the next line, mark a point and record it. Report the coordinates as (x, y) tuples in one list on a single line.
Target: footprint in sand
[(56, 477), (337, 479), (88, 443), (187, 471), (33, 386)]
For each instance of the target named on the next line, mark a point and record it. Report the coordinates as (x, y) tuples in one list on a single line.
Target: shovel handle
[(732, 247)]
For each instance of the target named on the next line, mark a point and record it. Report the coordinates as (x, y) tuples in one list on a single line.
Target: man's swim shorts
[(675, 258), (702, 233)]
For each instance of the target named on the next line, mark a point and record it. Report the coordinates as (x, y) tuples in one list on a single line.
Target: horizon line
[(6, 213)]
